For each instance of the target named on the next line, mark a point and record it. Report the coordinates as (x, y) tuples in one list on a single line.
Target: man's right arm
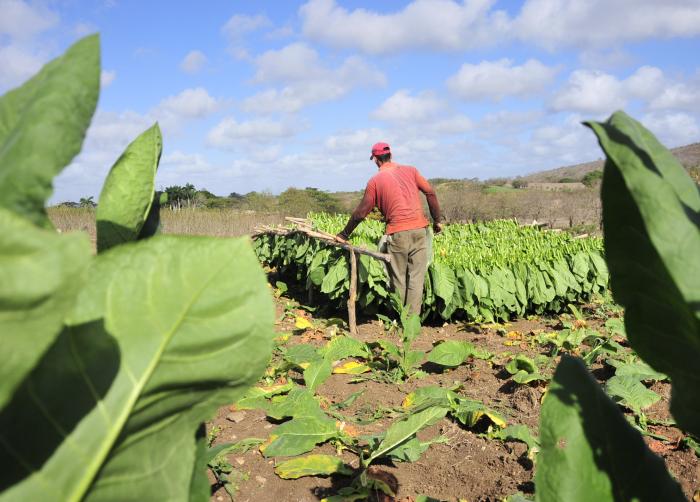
[(363, 209)]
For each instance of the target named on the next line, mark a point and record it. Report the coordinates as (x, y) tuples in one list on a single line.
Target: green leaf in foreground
[(312, 465), (42, 126), (144, 369), (651, 215), (41, 272), (128, 191), (589, 451)]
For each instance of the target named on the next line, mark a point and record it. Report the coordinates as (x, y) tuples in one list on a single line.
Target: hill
[(688, 155)]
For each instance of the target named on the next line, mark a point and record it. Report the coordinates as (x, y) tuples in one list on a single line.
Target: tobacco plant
[(651, 215), (114, 360)]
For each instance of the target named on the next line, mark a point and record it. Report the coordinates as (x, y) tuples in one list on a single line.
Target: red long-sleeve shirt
[(395, 191)]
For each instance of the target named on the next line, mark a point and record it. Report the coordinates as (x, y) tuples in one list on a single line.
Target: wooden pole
[(352, 320), (324, 238)]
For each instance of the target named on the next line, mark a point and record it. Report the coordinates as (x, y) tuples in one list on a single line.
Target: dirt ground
[(470, 466)]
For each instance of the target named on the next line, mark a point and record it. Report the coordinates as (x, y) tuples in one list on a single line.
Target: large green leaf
[(402, 431), (41, 275), (451, 353), (165, 331), (588, 450), (128, 191), (651, 214), (340, 347), (300, 402), (630, 392), (42, 126), (299, 435), (317, 373)]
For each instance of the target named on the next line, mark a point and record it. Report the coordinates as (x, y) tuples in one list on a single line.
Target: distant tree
[(695, 173), (568, 180), (519, 183), (296, 202), (499, 182), (590, 178), (87, 202), (179, 195)]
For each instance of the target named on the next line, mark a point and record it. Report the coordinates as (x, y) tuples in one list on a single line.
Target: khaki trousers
[(409, 263)]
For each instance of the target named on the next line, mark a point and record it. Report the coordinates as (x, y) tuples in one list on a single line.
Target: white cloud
[(354, 141), (193, 62), (308, 80), (294, 62), (107, 77), (421, 115), (17, 65), (22, 21), (231, 134), (431, 24), (645, 83), (189, 104), (497, 79), (597, 23), (590, 92), (402, 107), (454, 26), (682, 96), (22, 52), (673, 128), (239, 25), (599, 92)]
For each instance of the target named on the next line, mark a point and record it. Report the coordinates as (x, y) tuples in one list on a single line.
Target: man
[(394, 190)]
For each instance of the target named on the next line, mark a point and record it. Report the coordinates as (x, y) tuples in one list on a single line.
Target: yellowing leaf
[(496, 418), (514, 334), (409, 400), (284, 337), (267, 443), (351, 368), (302, 323), (312, 465), (304, 365)]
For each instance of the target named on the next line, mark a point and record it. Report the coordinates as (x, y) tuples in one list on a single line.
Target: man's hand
[(341, 239), (437, 227)]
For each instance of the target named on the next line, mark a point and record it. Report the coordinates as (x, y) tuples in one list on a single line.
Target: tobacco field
[(481, 272)]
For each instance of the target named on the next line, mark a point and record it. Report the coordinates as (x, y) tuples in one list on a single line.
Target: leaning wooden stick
[(352, 320), (322, 236)]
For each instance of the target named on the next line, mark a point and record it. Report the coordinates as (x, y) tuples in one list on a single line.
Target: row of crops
[(480, 272)]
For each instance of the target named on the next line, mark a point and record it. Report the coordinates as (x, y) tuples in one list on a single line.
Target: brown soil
[(470, 466)]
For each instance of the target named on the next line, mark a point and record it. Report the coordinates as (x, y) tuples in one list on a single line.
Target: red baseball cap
[(380, 149)]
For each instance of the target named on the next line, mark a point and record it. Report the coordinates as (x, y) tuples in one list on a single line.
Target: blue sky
[(268, 94)]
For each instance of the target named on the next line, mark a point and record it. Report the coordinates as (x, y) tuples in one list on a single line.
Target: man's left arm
[(431, 197)]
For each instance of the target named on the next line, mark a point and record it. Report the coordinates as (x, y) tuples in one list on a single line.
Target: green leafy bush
[(114, 360), (651, 214)]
